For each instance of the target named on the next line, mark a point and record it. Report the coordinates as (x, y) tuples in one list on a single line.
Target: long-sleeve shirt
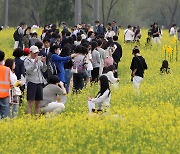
[(19, 68), (96, 59), (60, 62), (111, 77), (103, 99), (34, 70)]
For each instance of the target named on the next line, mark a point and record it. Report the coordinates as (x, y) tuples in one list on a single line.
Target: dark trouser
[(95, 74), (116, 72), (78, 81)]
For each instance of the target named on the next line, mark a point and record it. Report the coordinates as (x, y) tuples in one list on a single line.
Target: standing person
[(115, 28), (129, 34), (19, 68), (138, 65), (117, 55), (173, 30), (19, 63), (34, 39), (156, 32), (95, 61), (59, 62), (51, 92), (110, 33), (66, 50), (109, 50), (102, 55), (99, 29), (4, 87), (15, 91), (26, 37), (103, 97), (34, 68), (79, 68), (18, 35)]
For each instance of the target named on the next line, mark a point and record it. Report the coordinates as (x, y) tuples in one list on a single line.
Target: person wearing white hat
[(35, 66)]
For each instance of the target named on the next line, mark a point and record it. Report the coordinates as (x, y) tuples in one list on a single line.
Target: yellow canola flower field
[(146, 123)]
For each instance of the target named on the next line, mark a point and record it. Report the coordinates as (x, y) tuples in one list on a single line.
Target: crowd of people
[(48, 66)]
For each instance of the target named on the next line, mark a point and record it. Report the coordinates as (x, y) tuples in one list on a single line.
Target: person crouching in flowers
[(165, 67), (15, 91), (51, 92), (103, 97)]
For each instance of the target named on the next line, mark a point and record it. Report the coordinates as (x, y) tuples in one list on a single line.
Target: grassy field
[(149, 123)]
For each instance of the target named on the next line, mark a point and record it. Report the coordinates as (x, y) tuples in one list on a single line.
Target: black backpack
[(16, 35)]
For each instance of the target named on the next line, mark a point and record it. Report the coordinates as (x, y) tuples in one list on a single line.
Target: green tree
[(57, 11)]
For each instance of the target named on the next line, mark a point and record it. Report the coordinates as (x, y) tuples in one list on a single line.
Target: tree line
[(134, 12)]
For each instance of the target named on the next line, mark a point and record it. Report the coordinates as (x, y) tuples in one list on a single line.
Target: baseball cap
[(26, 50), (34, 49)]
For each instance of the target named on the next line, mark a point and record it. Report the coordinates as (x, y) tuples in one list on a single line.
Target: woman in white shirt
[(109, 72), (110, 33), (103, 97)]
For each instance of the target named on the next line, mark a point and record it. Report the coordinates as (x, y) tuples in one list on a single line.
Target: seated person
[(103, 97), (165, 68), (54, 89)]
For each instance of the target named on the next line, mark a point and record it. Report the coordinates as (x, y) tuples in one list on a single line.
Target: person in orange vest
[(4, 87)]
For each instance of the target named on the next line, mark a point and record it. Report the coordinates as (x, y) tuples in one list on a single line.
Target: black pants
[(116, 66), (95, 74), (78, 81)]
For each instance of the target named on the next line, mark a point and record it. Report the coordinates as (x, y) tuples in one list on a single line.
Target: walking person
[(117, 54), (156, 33), (138, 65)]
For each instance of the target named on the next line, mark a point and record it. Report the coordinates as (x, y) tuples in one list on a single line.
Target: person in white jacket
[(102, 100), (109, 72)]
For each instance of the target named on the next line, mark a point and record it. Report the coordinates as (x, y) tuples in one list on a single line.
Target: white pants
[(136, 81), (91, 106), (54, 107), (157, 40), (16, 43)]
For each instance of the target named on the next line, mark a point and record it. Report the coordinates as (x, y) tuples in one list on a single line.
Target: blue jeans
[(4, 107), (14, 110), (68, 75)]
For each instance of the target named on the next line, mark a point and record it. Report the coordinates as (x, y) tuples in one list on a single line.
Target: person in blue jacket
[(60, 61)]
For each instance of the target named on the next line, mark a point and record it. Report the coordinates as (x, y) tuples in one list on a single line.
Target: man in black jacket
[(117, 54)]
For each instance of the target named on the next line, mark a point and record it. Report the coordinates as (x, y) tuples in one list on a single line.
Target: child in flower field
[(165, 67), (103, 97)]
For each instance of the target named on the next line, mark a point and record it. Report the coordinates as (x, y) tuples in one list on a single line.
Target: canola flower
[(148, 123)]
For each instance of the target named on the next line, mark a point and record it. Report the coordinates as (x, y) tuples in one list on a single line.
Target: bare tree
[(5, 15)]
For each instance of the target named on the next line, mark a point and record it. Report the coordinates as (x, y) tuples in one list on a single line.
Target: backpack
[(16, 35)]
